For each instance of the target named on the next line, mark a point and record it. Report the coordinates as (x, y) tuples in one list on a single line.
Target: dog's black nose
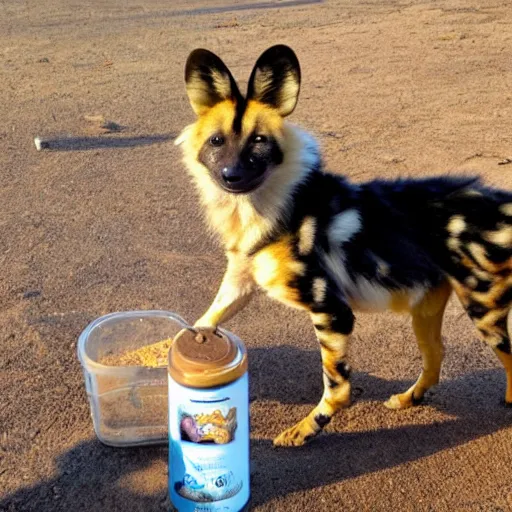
[(231, 174)]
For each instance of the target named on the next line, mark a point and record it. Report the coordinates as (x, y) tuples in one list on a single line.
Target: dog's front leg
[(234, 293), (333, 326)]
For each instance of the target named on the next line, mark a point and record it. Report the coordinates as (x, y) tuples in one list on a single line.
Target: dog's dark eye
[(217, 140), (258, 139)]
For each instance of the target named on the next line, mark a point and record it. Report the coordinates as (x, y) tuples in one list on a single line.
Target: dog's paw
[(402, 401), (298, 435)]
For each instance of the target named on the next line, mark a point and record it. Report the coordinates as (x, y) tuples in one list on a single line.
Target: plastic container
[(128, 403), (208, 422)]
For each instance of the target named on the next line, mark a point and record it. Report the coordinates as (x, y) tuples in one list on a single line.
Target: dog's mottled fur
[(319, 243)]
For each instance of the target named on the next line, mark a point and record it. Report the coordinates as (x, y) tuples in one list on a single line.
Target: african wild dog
[(317, 242)]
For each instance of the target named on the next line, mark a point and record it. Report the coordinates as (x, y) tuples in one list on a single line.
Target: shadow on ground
[(87, 143), (88, 475), (219, 9), (473, 403)]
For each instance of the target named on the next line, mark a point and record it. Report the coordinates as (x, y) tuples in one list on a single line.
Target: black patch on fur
[(459, 272), (343, 369), (319, 327), (322, 420), (504, 345), (417, 401), (293, 218), (485, 332), (261, 154), (497, 254), (239, 114), (334, 305), (321, 196), (482, 286), (343, 321), (505, 299), (331, 382), (476, 310), (504, 272)]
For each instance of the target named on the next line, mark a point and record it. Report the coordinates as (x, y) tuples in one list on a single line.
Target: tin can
[(208, 422)]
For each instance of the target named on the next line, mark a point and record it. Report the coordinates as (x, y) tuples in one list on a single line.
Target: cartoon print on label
[(209, 427), (207, 482)]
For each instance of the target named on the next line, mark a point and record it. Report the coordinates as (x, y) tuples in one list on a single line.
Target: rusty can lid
[(206, 357)]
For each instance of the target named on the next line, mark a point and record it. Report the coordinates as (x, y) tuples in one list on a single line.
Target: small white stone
[(41, 143)]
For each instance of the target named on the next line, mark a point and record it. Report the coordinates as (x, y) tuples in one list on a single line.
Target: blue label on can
[(209, 447)]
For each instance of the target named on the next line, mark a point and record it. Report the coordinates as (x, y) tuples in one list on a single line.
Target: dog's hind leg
[(493, 333), (489, 311), (506, 359), (493, 329), (332, 331), (427, 319)]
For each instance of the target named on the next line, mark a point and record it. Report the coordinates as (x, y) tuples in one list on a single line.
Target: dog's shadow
[(292, 375), (94, 143), (91, 476), (470, 403)]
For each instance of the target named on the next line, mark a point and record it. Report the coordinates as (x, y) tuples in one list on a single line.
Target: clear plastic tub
[(128, 403)]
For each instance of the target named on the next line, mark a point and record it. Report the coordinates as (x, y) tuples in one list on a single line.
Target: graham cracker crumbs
[(151, 356)]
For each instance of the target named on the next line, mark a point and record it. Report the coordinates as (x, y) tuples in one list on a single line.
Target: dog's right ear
[(275, 79), (208, 81)]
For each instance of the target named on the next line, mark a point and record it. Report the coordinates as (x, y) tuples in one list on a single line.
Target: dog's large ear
[(208, 81), (275, 79)]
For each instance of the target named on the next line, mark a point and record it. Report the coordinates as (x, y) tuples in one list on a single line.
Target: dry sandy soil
[(390, 87)]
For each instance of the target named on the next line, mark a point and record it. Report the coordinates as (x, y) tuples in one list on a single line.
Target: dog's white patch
[(307, 235), (382, 267), (471, 281), (453, 244), (502, 236), (371, 296), (344, 226), (184, 135), (319, 290), (482, 274), (416, 294), (506, 209), (478, 252), (360, 292), (456, 225)]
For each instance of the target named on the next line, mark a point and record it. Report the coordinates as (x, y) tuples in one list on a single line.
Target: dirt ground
[(390, 88)]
